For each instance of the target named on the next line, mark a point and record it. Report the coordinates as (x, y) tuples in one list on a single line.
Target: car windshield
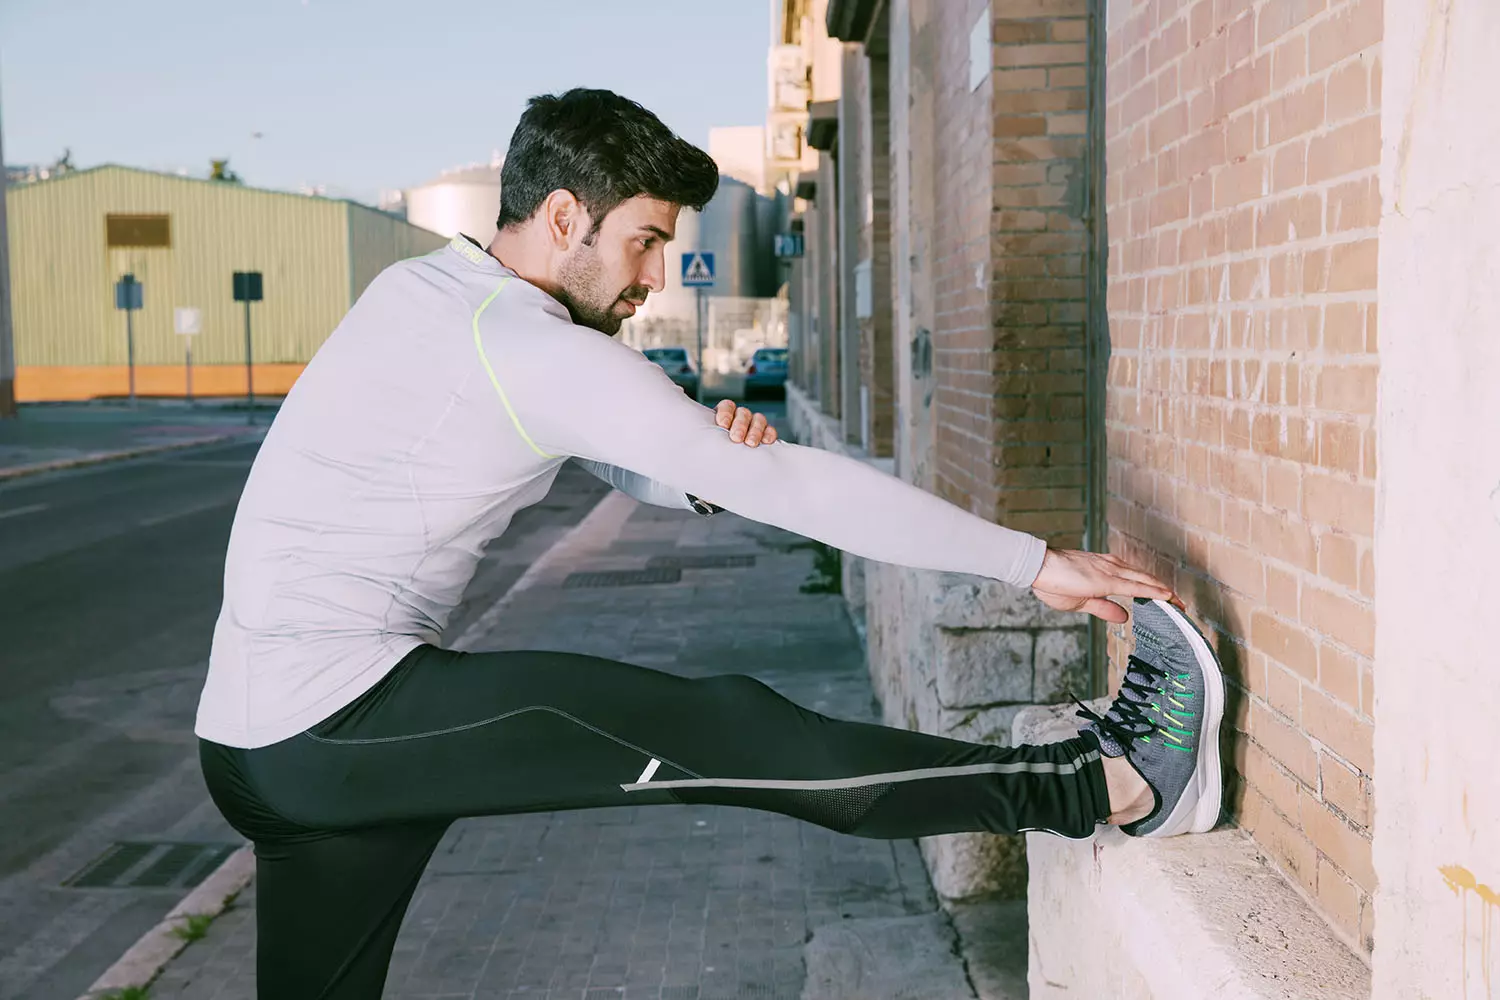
[(676, 354), (771, 355)]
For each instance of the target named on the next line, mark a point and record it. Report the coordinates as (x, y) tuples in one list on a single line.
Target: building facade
[(1131, 276), (75, 236)]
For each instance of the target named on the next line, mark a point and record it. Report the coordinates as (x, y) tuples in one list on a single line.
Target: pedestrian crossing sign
[(698, 269)]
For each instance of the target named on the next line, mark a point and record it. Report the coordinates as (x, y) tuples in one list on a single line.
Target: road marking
[(18, 511), (150, 522)]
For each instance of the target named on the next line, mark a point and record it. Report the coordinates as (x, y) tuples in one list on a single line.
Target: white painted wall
[(1437, 544)]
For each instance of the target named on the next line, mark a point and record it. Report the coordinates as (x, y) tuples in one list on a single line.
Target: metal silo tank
[(464, 200)]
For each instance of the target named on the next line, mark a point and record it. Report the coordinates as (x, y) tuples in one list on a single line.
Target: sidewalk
[(666, 903), (66, 435)]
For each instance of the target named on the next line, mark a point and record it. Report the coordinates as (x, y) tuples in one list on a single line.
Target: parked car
[(766, 372), (678, 366)]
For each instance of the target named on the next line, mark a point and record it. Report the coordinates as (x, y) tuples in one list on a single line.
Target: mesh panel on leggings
[(838, 809)]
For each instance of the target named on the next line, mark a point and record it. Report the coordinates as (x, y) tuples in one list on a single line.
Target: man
[(338, 737)]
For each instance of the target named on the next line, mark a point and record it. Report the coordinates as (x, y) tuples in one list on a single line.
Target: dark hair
[(605, 149)]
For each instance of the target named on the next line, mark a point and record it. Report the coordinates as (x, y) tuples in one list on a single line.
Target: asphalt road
[(110, 581)]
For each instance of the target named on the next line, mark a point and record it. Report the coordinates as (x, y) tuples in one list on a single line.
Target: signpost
[(248, 288), (129, 296), (189, 323), (698, 274)]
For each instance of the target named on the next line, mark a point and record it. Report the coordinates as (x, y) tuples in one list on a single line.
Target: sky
[(357, 95)]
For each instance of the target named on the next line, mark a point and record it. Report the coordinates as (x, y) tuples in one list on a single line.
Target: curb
[(601, 522), (158, 946), (101, 457)]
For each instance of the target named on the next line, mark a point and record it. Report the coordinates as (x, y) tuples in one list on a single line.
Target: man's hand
[(1082, 581), (743, 426)]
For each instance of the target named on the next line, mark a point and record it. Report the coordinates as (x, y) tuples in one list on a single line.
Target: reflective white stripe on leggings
[(647, 773), (890, 777)]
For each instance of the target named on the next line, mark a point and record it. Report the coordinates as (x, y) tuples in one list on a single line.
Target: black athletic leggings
[(345, 816)]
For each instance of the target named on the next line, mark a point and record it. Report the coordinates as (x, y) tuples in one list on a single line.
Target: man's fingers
[(724, 413), (771, 437), (741, 425), (1149, 587), (757, 430), (1108, 610)]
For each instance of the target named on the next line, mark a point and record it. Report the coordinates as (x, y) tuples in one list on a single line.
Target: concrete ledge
[(1202, 916)]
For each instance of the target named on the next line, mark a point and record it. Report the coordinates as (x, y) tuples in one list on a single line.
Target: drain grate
[(622, 578), (700, 562), (151, 865)]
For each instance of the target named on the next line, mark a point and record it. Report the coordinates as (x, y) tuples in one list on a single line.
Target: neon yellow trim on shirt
[(494, 380)]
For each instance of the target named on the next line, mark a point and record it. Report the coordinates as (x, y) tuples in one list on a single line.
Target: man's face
[(605, 279)]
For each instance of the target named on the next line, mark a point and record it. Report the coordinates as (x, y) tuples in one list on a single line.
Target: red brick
[(1337, 841), (1005, 32), (1020, 125), (1239, 38), (1013, 102), (1339, 449), (1338, 503), (1016, 56), (1282, 595), (1286, 644), (1355, 205), (1289, 167), (1296, 217), (1286, 539), (1287, 746), (1067, 76), (1339, 898), (1349, 389), (1289, 62), (1340, 617), (1344, 328), (1070, 29), (1283, 843), (1348, 91), (1283, 690), (1345, 790), (1284, 486), (1349, 148), (1338, 674), (1278, 17), (1352, 266), (1019, 79), (1242, 86), (1281, 789), (1294, 114), (1359, 25)]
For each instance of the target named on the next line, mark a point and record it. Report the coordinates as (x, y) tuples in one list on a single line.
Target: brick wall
[(876, 358), (962, 338), (1243, 147), (1039, 241)]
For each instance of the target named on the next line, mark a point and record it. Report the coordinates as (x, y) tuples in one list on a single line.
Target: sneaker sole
[(1199, 813)]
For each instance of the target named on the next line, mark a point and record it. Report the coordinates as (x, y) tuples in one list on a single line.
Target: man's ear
[(567, 220)]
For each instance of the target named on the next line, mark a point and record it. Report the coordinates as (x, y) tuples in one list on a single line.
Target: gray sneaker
[(1165, 721)]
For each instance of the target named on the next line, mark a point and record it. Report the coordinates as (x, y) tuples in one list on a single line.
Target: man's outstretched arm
[(744, 426), (636, 418)]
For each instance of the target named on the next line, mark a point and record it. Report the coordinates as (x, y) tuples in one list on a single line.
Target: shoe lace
[(1128, 718)]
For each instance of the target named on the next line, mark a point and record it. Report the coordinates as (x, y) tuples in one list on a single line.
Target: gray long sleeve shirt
[(443, 403)]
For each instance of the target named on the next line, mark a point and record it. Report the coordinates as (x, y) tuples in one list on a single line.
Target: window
[(138, 230)]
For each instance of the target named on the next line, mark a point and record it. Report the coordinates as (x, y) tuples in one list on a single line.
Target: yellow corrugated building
[(73, 237)]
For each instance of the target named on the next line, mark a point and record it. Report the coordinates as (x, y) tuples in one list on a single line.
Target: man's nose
[(654, 274)]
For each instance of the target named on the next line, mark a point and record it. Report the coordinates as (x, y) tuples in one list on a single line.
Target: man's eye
[(646, 242)]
